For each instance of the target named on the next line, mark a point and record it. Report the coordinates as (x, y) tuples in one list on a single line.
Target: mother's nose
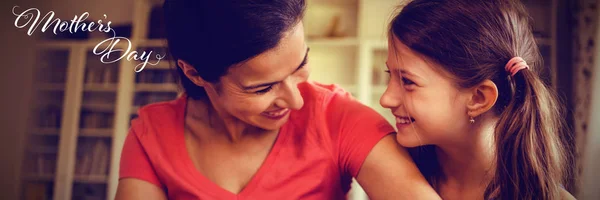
[(291, 97)]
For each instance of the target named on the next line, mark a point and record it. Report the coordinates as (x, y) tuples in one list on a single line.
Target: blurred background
[(65, 114)]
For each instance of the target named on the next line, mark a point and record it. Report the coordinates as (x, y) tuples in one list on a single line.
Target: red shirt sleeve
[(356, 129), (135, 162)]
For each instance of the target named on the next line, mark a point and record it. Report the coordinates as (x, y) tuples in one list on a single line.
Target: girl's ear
[(482, 98), (191, 73)]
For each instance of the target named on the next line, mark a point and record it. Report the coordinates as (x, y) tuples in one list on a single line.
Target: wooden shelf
[(67, 44), (45, 131), (43, 150), (153, 43), (51, 87), (103, 107), (96, 132), (91, 179), (377, 44), (156, 87), (90, 44), (100, 87), (39, 177)]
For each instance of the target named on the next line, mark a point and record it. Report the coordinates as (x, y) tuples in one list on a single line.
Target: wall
[(590, 178), (584, 60), (15, 81)]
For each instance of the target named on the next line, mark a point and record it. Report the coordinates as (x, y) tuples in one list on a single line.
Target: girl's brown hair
[(474, 40)]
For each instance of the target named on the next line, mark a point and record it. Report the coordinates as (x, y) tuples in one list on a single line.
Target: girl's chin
[(408, 140)]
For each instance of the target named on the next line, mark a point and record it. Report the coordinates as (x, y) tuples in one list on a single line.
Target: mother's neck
[(218, 121)]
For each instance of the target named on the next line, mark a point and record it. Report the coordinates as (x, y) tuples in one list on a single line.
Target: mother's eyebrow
[(304, 61)]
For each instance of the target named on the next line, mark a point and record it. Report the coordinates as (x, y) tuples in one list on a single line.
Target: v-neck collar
[(211, 187)]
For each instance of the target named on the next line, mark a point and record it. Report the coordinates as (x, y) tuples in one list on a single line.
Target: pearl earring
[(472, 120)]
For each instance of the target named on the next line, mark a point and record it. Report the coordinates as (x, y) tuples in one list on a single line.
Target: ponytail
[(530, 155)]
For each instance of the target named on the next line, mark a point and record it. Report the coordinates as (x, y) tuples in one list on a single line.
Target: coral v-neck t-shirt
[(315, 155)]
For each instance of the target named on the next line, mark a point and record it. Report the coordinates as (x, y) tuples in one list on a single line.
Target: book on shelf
[(107, 75), (51, 74), (89, 191), (108, 120), (100, 157), (40, 164), (93, 158), (170, 77), (89, 119), (101, 74), (95, 154), (36, 191), (49, 116), (94, 119), (52, 59), (83, 160), (155, 76), (90, 75), (44, 164)]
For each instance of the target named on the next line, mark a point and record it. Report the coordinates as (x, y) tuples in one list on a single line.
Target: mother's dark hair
[(213, 35)]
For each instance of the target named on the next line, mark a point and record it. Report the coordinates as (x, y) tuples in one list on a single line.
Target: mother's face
[(262, 90)]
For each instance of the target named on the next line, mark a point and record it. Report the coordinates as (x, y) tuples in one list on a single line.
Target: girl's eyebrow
[(403, 71)]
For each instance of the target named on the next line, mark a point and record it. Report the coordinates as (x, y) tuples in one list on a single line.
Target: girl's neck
[(468, 165)]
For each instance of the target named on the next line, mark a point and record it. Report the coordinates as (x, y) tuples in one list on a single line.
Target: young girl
[(465, 89)]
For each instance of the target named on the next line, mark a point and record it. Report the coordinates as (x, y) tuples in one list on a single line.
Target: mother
[(249, 125)]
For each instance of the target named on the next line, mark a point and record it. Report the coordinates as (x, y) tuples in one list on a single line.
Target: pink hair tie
[(515, 65)]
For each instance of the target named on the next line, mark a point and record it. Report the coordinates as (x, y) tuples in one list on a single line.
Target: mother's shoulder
[(160, 115), (323, 93)]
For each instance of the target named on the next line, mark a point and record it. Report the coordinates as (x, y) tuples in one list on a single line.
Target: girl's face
[(429, 108), (261, 91)]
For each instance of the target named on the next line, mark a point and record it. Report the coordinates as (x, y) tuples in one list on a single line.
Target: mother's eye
[(263, 91), (406, 81)]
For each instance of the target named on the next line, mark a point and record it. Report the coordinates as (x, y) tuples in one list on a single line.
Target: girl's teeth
[(404, 121)]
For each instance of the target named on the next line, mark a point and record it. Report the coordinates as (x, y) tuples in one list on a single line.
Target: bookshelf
[(40, 158), (85, 106)]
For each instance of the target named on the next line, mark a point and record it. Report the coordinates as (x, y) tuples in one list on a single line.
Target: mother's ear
[(483, 98), (191, 73)]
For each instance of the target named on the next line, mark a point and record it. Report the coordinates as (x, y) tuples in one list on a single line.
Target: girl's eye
[(407, 81), (387, 71), (263, 91)]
